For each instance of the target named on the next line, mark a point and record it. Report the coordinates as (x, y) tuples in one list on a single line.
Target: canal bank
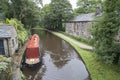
[(98, 70), (16, 63)]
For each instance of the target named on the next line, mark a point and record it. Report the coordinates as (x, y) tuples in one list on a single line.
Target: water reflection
[(66, 53), (60, 61)]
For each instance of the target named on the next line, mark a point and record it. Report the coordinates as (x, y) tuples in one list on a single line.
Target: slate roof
[(6, 31), (84, 17)]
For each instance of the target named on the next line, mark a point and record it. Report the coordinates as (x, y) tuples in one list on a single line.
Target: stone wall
[(13, 41), (79, 28)]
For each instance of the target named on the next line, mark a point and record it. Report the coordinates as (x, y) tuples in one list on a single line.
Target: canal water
[(59, 61)]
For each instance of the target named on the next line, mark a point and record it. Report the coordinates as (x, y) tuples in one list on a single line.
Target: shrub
[(5, 68), (21, 31)]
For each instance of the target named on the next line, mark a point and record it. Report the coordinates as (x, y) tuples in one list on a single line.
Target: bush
[(5, 68), (21, 31)]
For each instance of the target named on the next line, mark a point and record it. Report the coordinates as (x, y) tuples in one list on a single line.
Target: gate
[(2, 52)]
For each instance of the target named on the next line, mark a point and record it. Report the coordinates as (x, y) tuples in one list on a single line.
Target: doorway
[(2, 52)]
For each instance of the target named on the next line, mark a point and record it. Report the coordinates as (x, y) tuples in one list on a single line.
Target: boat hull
[(32, 54)]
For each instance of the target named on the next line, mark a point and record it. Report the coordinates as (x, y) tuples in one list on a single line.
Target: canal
[(59, 61)]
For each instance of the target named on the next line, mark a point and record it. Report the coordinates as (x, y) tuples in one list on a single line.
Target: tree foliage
[(87, 6), (105, 30), (21, 31), (5, 9), (25, 11), (28, 12), (55, 13)]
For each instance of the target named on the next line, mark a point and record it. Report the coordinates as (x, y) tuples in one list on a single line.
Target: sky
[(73, 3)]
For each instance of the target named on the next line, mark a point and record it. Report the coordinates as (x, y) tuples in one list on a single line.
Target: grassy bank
[(98, 70)]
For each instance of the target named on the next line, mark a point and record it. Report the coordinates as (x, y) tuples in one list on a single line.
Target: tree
[(46, 16), (5, 9), (63, 11), (105, 30), (31, 15), (57, 12), (24, 10), (87, 6)]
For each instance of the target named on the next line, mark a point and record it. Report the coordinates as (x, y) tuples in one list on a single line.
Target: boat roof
[(34, 41)]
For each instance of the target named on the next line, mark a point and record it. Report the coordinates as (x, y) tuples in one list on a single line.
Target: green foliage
[(87, 6), (55, 13), (5, 68), (5, 9), (25, 11), (4, 62), (31, 14), (4, 59), (105, 30), (21, 31)]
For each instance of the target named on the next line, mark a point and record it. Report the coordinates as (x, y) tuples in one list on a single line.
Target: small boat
[(32, 54)]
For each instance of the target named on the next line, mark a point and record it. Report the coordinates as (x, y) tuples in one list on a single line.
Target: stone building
[(80, 25), (8, 40)]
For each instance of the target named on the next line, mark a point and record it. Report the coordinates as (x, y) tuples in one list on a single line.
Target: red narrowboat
[(32, 55)]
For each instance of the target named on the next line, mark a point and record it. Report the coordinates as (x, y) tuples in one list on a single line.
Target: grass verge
[(98, 70)]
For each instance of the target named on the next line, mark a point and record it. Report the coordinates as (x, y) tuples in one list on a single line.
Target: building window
[(13, 42)]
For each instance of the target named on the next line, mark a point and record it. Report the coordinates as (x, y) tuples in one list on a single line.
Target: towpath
[(81, 45)]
